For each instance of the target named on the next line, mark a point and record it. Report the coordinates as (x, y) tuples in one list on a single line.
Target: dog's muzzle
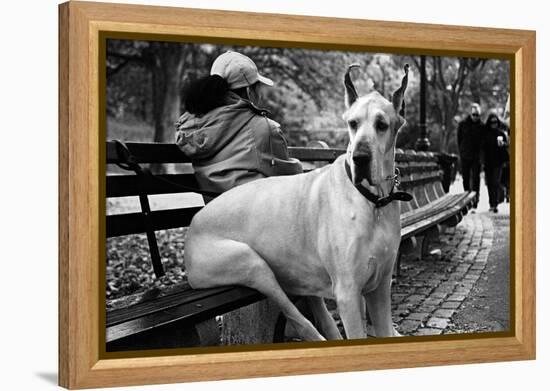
[(362, 162)]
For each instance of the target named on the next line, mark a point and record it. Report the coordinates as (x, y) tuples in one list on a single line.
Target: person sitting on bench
[(228, 137)]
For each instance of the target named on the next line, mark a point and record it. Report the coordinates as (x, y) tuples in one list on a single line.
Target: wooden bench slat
[(148, 153), (131, 185), (132, 223), (433, 207), (420, 225), (411, 156), (423, 225), (406, 169), (161, 303), (430, 192), (428, 210), (439, 189), (124, 302), (315, 154), (187, 313)]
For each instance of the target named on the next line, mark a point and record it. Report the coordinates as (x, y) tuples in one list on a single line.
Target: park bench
[(427, 176), (179, 316)]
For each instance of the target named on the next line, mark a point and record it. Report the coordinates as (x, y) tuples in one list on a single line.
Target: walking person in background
[(228, 137), (505, 175), (495, 155), (470, 137)]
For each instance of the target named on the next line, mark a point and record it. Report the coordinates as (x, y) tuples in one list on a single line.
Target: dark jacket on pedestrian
[(470, 138), (493, 153)]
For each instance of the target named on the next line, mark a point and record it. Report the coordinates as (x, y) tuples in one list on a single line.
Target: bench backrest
[(421, 175)]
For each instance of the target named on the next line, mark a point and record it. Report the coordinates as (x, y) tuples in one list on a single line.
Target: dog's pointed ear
[(351, 93), (398, 98)]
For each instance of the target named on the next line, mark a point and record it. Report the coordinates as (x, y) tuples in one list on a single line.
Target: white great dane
[(331, 233)]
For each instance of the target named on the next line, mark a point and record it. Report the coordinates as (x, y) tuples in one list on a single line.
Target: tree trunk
[(446, 133), (475, 86), (167, 74)]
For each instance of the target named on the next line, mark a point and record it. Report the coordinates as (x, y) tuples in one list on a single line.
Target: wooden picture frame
[(81, 231)]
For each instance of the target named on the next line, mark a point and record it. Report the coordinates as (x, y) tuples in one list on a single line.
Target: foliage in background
[(145, 81)]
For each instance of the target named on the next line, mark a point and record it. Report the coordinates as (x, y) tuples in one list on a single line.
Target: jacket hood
[(201, 137)]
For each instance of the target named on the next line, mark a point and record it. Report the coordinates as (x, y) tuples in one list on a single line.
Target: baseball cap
[(238, 70)]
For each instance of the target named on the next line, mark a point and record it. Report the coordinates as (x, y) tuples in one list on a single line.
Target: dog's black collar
[(379, 202)]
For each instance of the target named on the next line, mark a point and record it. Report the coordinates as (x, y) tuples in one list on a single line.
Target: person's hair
[(476, 105), (205, 94), (492, 115)]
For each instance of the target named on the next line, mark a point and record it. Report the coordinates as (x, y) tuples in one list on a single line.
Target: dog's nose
[(361, 159)]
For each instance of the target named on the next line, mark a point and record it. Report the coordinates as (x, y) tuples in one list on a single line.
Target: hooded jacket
[(234, 144)]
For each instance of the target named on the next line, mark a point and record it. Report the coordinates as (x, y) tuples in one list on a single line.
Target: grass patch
[(129, 130)]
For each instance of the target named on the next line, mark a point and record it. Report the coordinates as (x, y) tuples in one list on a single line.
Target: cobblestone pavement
[(430, 291)]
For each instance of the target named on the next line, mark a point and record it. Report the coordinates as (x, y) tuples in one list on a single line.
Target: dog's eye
[(382, 126), (352, 124)]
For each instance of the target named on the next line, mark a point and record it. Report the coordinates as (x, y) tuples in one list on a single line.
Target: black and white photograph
[(265, 195)]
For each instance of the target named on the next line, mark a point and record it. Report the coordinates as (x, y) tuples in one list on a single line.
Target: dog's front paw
[(396, 333)]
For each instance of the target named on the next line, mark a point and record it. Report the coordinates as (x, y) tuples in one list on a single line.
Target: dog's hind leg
[(215, 262), (323, 317)]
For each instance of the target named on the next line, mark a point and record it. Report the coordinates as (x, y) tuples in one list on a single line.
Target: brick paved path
[(429, 291)]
